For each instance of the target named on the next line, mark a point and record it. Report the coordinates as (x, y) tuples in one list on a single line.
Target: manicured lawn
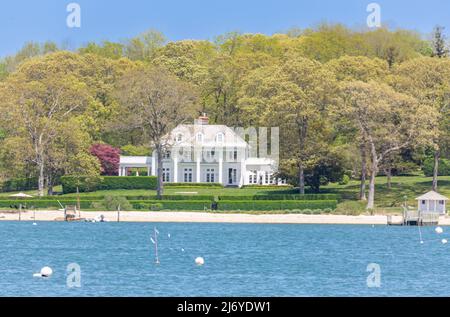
[(188, 191), (386, 200), (409, 186)]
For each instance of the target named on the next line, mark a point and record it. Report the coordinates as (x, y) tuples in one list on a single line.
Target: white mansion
[(204, 153)]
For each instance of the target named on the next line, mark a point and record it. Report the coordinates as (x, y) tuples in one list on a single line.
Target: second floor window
[(219, 138)]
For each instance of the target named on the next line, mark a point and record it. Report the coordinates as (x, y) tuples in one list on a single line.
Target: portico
[(130, 162)]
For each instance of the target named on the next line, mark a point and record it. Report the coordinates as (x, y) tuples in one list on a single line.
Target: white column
[(242, 157), (199, 159), (120, 170), (221, 167), (154, 164), (175, 169), (149, 171)]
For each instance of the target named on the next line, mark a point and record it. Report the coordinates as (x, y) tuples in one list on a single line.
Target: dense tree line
[(348, 103)]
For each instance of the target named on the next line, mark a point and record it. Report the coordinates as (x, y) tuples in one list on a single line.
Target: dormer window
[(220, 137), (179, 137), (200, 137)]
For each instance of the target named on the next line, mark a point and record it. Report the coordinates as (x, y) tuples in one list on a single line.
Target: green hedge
[(90, 184), (276, 205), (193, 185), (84, 183), (42, 204), (130, 182), (282, 197), (88, 204), (150, 197), (268, 186), (19, 184), (191, 205), (171, 205)]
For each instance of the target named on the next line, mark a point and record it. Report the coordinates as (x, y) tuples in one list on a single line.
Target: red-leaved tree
[(109, 158)]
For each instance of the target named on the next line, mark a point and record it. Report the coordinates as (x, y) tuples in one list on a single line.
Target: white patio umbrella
[(21, 195)]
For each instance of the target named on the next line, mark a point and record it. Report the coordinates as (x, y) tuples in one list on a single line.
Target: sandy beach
[(200, 217)]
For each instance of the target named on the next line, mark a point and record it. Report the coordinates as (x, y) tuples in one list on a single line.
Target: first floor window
[(188, 175), (210, 175)]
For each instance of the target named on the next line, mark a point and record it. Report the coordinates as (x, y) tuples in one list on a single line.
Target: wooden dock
[(415, 218)]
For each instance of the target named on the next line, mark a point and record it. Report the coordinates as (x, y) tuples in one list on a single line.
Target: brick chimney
[(203, 119)]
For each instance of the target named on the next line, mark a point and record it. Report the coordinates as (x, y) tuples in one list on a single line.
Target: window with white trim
[(210, 175), (166, 175), (220, 137), (179, 137), (188, 175)]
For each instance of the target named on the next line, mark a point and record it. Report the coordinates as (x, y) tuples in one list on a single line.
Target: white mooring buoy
[(444, 241), (200, 261), (46, 271), (439, 230)]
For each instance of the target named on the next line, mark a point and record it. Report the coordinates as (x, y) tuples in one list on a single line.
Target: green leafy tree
[(389, 122), (155, 103)]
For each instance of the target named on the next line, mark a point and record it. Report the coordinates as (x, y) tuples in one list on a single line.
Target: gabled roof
[(432, 195), (209, 132)]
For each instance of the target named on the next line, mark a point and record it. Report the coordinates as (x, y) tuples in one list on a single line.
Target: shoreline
[(201, 217)]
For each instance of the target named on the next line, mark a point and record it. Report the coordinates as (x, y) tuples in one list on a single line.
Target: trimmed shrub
[(90, 184), (150, 197), (43, 204), (84, 183), (19, 184), (116, 182), (268, 186), (283, 197), (193, 185), (345, 180), (156, 207), (276, 205), (172, 205)]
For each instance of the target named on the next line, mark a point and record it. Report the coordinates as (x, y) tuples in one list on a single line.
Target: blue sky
[(26, 20)]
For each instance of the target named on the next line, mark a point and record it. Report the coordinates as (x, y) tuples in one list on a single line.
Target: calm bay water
[(241, 260)]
